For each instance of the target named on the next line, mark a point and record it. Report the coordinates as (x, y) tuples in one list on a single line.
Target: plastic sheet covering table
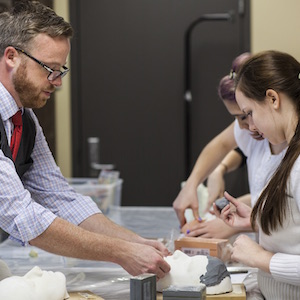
[(107, 280)]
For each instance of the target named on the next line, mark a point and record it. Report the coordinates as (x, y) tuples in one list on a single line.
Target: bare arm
[(209, 158), (215, 228), (245, 199), (101, 224), (97, 238), (216, 182)]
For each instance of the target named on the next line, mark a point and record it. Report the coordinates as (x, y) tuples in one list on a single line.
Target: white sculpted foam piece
[(4, 270), (35, 285), (196, 270)]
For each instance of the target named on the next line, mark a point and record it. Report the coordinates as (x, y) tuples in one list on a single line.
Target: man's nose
[(57, 82)]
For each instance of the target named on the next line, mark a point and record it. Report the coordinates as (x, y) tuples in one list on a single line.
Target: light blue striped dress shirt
[(28, 207)]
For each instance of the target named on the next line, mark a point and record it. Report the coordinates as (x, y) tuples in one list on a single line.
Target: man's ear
[(10, 55), (273, 98)]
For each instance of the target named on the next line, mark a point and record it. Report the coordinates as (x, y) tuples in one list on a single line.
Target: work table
[(107, 280)]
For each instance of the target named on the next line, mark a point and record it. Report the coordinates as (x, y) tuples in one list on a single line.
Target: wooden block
[(85, 295), (200, 246), (238, 293)]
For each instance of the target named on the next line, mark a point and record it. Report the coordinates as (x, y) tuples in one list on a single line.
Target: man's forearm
[(99, 223), (66, 239), (110, 243)]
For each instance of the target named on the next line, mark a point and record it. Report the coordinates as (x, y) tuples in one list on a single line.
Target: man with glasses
[(53, 74), (37, 206)]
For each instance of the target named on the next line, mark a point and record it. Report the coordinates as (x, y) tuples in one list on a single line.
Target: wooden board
[(238, 293), (84, 296)]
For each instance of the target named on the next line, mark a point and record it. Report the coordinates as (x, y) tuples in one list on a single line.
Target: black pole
[(187, 80)]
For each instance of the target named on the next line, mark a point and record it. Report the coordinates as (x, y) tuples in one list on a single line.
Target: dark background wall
[(128, 65)]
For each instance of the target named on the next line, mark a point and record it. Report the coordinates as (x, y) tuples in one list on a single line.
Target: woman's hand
[(215, 186), (187, 198), (215, 229), (236, 214), (248, 252)]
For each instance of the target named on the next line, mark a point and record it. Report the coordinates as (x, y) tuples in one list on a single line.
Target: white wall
[(275, 25)]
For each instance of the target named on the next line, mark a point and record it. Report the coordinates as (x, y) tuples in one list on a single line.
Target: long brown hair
[(278, 71)]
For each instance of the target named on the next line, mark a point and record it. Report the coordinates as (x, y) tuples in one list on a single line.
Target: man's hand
[(138, 259)]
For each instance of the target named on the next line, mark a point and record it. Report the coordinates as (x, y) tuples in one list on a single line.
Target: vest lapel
[(23, 159)]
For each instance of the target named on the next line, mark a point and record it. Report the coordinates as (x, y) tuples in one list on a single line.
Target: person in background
[(268, 92), (37, 205), (215, 181), (236, 158)]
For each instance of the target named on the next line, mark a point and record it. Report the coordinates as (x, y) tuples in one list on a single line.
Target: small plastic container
[(104, 195)]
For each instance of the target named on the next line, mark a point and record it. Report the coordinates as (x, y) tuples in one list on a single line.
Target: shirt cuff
[(31, 223), (285, 268), (78, 210)]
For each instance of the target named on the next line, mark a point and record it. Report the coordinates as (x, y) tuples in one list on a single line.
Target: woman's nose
[(251, 125)]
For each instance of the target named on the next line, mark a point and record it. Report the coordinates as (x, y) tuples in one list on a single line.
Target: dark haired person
[(268, 92), (213, 163)]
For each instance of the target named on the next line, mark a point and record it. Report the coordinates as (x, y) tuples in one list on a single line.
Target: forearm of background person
[(208, 160), (105, 244), (215, 228), (216, 182), (212, 155), (245, 199)]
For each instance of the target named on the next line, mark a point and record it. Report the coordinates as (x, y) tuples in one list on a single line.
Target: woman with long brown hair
[(268, 92)]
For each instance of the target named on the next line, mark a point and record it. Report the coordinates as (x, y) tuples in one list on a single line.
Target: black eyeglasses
[(54, 74)]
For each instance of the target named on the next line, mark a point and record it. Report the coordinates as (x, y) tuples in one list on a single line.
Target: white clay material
[(4, 270), (35, 285), (186, 271)]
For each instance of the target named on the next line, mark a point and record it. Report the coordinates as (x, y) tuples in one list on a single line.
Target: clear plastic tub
[(104, 195)]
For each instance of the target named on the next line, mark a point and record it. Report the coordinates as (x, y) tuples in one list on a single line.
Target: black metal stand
[(187, 84)]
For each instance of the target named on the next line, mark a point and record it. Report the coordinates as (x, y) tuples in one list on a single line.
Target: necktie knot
[(17, 119), (17, 134)]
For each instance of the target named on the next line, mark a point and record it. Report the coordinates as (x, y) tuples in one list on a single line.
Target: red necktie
[(17, 134)]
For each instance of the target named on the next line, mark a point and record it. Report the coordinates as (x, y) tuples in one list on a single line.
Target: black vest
[(23, 159)]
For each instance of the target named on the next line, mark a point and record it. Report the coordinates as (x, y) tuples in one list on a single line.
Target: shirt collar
[(8, 105)]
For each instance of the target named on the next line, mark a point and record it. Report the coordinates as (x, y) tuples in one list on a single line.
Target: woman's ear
[(273, 98)]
